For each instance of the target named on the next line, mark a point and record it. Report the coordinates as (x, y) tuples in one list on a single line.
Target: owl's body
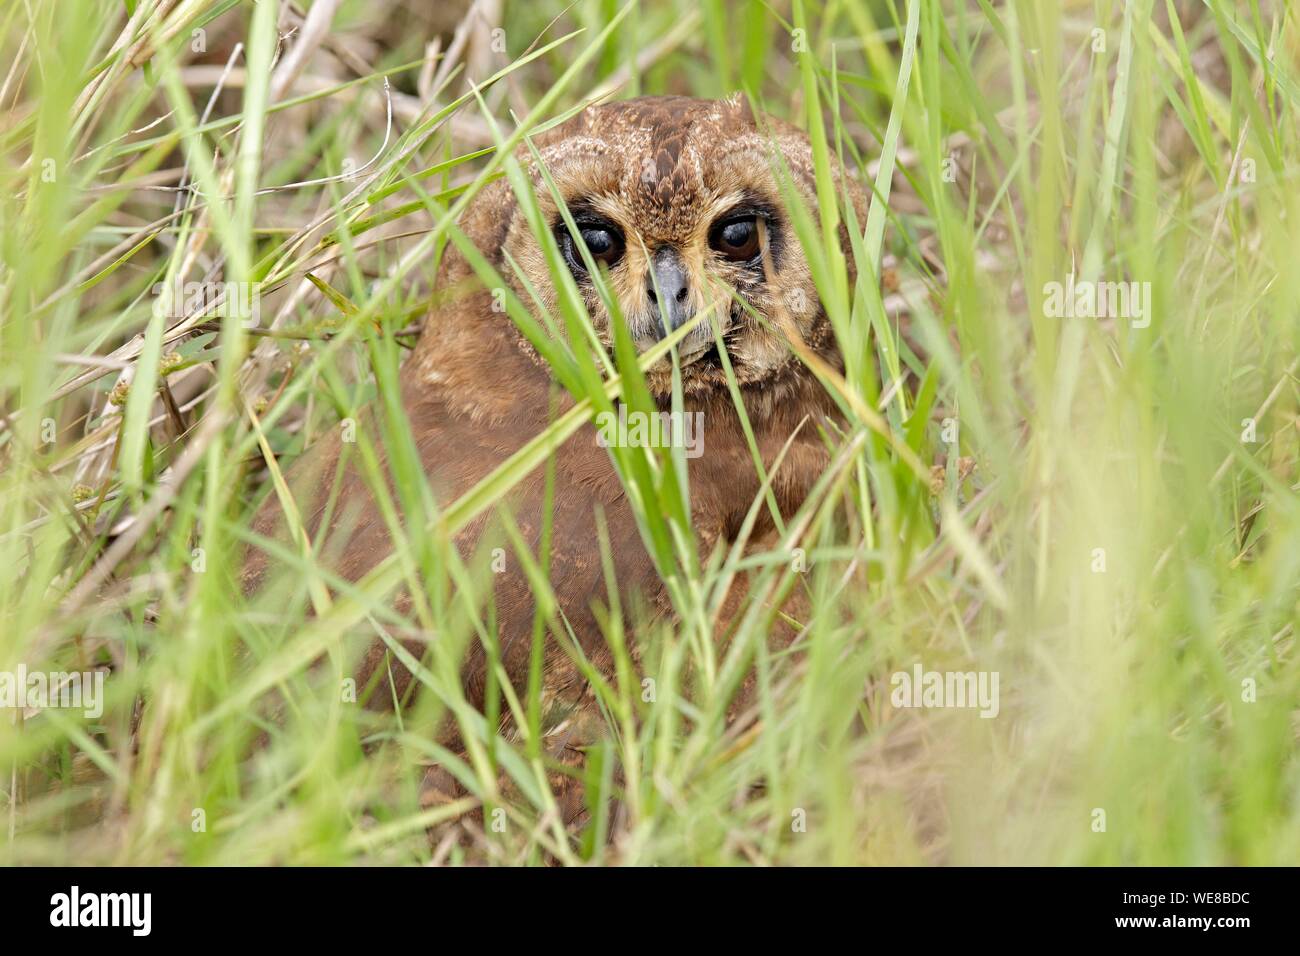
[(654, 180)]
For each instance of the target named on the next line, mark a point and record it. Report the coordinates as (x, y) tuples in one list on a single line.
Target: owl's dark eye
[(604, 242), (736, 238)]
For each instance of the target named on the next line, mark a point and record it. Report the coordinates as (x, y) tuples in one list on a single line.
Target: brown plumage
[(658, 180)]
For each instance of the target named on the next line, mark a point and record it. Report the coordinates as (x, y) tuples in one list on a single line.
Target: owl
[(679, 202)]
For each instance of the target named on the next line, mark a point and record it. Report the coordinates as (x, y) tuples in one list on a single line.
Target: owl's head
[(679, 202)]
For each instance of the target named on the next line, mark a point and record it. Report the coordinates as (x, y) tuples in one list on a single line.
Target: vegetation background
[(1104, 514)]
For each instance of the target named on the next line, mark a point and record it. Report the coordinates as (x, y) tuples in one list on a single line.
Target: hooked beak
[(669, 292)]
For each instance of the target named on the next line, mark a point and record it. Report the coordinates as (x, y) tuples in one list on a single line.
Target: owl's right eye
[(604, 242)]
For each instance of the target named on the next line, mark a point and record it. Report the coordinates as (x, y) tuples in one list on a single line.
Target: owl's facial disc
[(663, 283)]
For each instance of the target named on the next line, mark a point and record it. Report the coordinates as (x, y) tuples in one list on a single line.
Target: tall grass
[(1101, 509)]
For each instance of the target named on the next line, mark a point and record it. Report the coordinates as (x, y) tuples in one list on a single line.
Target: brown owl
[(679, 200)]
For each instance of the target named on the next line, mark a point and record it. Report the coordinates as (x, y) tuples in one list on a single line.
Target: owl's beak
[(668, 288)]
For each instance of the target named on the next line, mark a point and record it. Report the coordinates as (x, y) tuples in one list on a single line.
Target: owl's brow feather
[(580, 209)]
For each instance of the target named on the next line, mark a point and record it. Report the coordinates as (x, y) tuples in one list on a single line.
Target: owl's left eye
[(604, 242), (736, 239)]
